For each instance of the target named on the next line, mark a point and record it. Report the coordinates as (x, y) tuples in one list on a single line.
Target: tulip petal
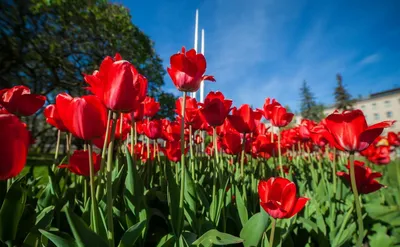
[(273, 209), (371, 133), (288, 197), (208, 78), (346, 128), (301, 202)]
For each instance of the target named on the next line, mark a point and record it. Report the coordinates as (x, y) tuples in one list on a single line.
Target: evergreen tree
[(48, 45), (342, 97), (309, 108)]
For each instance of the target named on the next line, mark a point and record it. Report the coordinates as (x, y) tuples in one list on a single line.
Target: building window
[(373, 106), (387, 103), (376, 116), (389, 114)]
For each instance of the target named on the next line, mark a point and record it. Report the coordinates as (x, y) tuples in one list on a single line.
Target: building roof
[(385, 93), (372, 96)]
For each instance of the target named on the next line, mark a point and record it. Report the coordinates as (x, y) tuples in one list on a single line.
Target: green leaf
[(215, 237), (167, 241), (132, 234), (133, 182), (82, 233), (190, 200), (254, 229), (11, 211), (173, 200), (43, 220), (388, 214), (241, 207), (60, 239)]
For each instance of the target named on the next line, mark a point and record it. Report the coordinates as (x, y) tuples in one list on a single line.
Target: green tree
[(309, 108), (48, 45), (342, 97)]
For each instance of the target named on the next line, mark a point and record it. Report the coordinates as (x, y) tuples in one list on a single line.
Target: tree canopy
[(309, 108), (342, 97), (49, 45)]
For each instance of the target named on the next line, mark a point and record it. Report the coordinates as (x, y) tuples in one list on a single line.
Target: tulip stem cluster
[(182, 191), (356, 202), (110, 222), (57, 149), (94, 216), (280, 154)]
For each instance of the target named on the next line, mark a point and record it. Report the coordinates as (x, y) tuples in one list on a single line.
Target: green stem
[(132, 138), (242, 157), (280, 154), (334, 172), (103, 151), (216, 161), (95, 223), (215, 145), (57, 149), (68, 141), (191, 151), (271, 237), (397, 167), (182, 192), (110, 222), (356, 201), (242, 168)]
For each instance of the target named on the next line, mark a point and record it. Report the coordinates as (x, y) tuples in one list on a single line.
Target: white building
[(377, 107)]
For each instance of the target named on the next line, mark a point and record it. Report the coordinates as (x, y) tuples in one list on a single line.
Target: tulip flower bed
[(215, 175)]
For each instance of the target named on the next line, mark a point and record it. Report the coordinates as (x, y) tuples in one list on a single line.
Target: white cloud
[(373, 58)]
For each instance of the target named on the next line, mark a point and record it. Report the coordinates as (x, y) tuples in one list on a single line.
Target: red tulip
[(191, 109), (215, 108), (279, 116), (151, 107), (261, 128), (268, 106), (232, 142), (153, 129), (278, 198), (53, 118), (348, 131), (117, 84), (198, 139), (381, 156), (173, 151), (19, 101), (84, 117), (79, 163), (317, 136), (394, 139), (140, 150), (378, 152), (263, 144), (305, 129), (171, 130), (14, 146), (365, 178), (244, 119), (137, 114), (187, 70), (284, 168)]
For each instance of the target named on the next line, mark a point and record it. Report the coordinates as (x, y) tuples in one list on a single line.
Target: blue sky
[(261, 48)]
